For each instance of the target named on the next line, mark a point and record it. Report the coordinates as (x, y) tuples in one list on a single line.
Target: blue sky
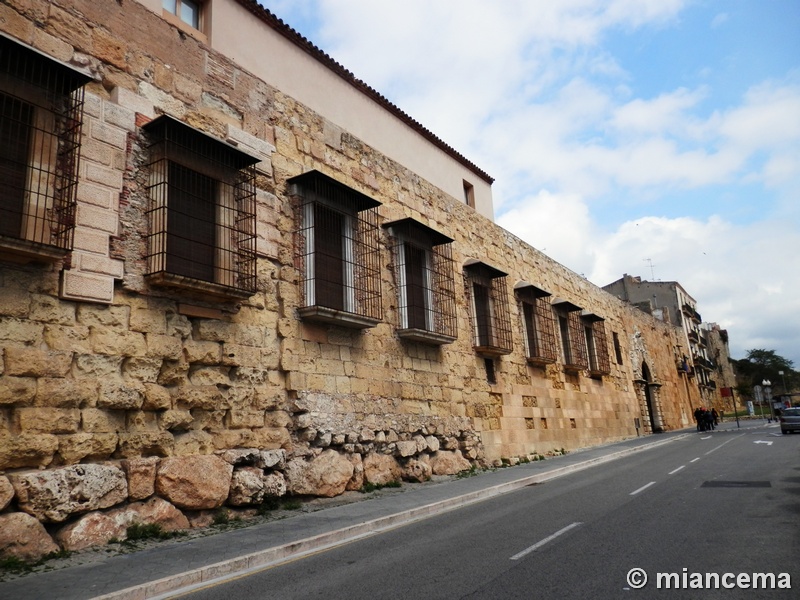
[(658, 138)]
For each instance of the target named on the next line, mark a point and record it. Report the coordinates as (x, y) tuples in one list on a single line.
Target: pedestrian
[(698, 416), (715, 415)]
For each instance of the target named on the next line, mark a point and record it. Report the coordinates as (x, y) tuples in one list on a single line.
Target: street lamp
[(785, 391), (768, 395)]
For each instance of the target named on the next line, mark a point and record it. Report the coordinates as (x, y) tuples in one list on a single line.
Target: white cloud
[(531, 93)]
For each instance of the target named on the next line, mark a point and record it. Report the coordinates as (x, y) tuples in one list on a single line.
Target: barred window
[(538, 325), (425, 283), (573, 337), (596, 345), (201, 213), (41, 115), (337, 252), (486, 287)]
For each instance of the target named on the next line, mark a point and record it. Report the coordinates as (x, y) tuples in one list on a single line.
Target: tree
[(763, 364)]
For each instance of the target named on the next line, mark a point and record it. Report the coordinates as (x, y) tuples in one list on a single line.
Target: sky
[(658, 138)]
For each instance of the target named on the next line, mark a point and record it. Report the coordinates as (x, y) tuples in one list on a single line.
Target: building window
[(426, 289), (538, 325), (469, 194), (596, 345), (188, 11), (338, 252), (617, 348), (41, 114), (202, 212), (573, 337), (486, 287)]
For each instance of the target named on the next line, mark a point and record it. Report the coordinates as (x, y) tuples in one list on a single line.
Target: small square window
[(469, 194), (188, 11)]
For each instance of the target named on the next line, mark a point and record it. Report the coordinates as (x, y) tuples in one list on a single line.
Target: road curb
[(239, 566)]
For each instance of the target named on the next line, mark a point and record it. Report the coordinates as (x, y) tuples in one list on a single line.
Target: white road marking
[(722, 444), (541, 543), (763, 442), (643, 488), (694, 459), (676, 470), (708, 437)]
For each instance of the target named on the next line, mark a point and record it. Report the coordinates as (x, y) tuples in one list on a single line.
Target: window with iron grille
[(486, 287), (573, 338), (201, 213), (538, 325), (423, 264), (338, 252), (596, 345), (41, 115)]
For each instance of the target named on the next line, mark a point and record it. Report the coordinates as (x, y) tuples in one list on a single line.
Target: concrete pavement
[(175, 565)]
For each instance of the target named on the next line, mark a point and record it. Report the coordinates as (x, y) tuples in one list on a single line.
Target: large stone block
[(146, 443), (381, 469), (24, 537), (17, 391), (326, 475), (47, 420), (445, 462), (100, 527), (6, 492), (35, 362), (141, 474), (27, 450), (80, 446), (57, 494), (194, 482), (65, 393)]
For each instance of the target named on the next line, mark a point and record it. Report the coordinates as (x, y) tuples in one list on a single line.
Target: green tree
[(763, 364)]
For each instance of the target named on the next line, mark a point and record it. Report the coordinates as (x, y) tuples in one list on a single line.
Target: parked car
[(790, 420)]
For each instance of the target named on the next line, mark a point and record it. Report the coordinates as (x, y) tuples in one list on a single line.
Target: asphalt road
[(704, 504)]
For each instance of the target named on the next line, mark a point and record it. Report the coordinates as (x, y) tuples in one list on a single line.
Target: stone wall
[(119, 393)]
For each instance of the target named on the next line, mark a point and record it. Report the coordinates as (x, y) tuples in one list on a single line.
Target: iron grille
[(426, 288), (597, 344), (41, 115), (573, 340), (539, 325), (337, 250), (202, 211), (490, 314)]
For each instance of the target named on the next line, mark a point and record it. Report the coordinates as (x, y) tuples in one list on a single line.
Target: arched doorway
[(655, 418)]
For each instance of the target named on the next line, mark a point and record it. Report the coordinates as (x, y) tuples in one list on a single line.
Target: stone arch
[(651, 400)]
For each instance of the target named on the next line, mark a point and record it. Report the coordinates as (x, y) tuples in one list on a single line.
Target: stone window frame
[(199, 185), (424, 273), (337, 251), (174, 16), (41, 108)]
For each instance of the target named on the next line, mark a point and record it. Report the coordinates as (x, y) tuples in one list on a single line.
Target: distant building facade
[(230, 270)]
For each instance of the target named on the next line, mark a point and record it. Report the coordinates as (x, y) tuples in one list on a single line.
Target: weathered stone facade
[(122, 401)]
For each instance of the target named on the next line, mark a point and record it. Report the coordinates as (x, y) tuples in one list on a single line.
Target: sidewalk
[(173, 565)]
